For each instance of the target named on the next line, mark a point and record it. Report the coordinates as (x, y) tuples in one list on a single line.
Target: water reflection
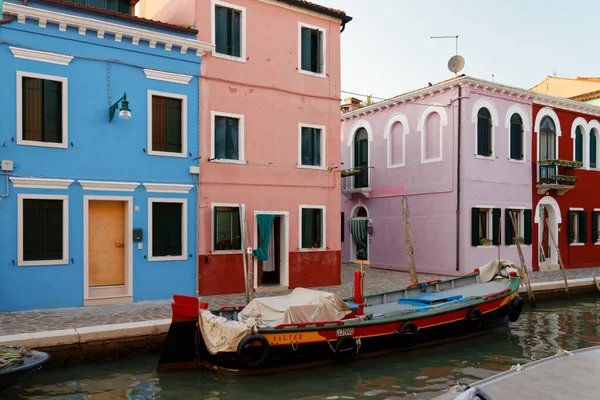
[(421, 374)]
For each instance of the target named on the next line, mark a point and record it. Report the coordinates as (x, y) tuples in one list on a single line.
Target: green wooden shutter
[(33, 114), (174, 237), (306, 149), (159, 123), (221, 29), (159, 231), (308, 227), (593, 149), (42, 229), (52, 111), (595, 226), (53, 230), (232, 142), (496, 213), (220, 138), (305, 49), (316, 146), (528, 225), (481, 136), (173, 125), (316, 56), (235, 18), (571, 231), (582, 227), (508, 227), (475, 226), (578, 145)]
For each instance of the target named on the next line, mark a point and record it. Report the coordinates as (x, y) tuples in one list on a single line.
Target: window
[(485, 226), (431, 139), (312, 146), (312, 227), (167, 223), (547, 139), (312, 50), (43, 230), (361, 158), (484, 132), (167, 115), (121, 6), (229, 30), (228, 137), (578, 156), (41, 110), (516, 137), (227, 232), (577, 226), (596, 226), (523, 223), (593, 148)]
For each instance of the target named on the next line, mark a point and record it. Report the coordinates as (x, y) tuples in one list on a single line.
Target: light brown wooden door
[(106, 242)]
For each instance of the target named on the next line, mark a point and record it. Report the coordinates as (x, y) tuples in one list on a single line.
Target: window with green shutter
[(167, 228), (484, 132), (166, 124), (311, 50), (577, 226), (593, 148), (595, 226), (42, 230), (227, 138), (120, 6), (227, 233), (312, 228), (311, 146), (228, 37), (42, 110), (578, 144), (485, 226), (516, 137)]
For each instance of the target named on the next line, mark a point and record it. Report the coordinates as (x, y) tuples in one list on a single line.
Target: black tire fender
[(345, 348), (243, 350), (409, 332), (514, 308), (474, 318)]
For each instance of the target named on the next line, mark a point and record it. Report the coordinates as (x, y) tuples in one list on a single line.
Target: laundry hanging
[(265, 225), (358, 230)]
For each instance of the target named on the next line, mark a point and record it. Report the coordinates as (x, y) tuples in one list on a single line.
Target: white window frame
[(184, 124), (491, 107), (597, 243), (490, 223), (323, 227), (65, 110), (521, 221), (585, 140), (323, 73), (242, 10), (241, 158), (388, 135), (323, 146), (212, 227), (546, 112), (422, 128), (593, 126), (575, 227), (517, 109), (65, 258), (184, 228)]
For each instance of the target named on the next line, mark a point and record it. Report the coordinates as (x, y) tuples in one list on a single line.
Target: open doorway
[(359, 248), (272, 271), (548, 219), (269, 271)]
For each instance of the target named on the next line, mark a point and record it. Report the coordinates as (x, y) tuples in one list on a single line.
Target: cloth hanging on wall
[(358, 230), (265, 225)]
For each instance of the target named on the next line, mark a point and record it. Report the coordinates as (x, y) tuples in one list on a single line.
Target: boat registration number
[(344, 332)]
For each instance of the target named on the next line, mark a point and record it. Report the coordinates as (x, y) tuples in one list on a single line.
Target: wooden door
[(106, 243), (545, 238)]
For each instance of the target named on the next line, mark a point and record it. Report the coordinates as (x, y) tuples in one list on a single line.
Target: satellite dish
[(456, 63)]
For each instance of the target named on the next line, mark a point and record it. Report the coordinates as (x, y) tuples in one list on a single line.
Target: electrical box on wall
[(7, 165), (137, 235)]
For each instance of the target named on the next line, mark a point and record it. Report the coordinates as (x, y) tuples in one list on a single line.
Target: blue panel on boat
[(429, 298), (351, 305)]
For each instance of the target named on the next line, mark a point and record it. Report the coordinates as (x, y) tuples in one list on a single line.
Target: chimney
[(350, 104)]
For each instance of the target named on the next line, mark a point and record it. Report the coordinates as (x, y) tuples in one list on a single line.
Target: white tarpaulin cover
[(488, 271), (221, 334), (302, 305)]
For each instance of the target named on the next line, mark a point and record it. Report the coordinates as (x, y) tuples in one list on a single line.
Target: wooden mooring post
[(249, 265), (522, 260), (562, 266), (408, 241)]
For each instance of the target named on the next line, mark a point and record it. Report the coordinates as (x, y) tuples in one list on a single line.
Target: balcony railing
[(557, 174), (356, 180)]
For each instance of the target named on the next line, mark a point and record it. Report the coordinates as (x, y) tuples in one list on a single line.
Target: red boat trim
[(305, 324), (496, 294)]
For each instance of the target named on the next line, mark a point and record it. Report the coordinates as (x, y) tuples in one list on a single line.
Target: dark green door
[(361, 158)]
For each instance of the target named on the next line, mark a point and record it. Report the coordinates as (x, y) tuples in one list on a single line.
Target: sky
[(387, 50)]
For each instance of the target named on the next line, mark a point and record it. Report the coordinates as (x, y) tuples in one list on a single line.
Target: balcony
[(356, 180), (558, 175)]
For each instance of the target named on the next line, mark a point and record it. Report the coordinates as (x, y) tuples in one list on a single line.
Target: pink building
[(269, 139), (460, 151)]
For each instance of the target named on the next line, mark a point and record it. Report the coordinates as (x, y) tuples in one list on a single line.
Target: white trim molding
[(167, 76), (323, 73), (109, 186), (42, 56), (240, 117), (40, 183), (102, 27), (184, 229), (323, 244), (213, 27), (65, 229), (242, 211), (360, 124), (547, 112), (422, 129), (387, 134), (64, 108), (184, 124), (484, 102), (167, 188), (323, 144), (582, 124), (593, 128)]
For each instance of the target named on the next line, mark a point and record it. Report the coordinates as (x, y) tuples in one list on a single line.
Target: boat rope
[(294, 347), (358, 344), (562, 351), (330, 346), (458, 388), (517, 368)]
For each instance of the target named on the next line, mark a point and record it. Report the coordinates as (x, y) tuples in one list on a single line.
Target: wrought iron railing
[(355, 178), (558, 172)]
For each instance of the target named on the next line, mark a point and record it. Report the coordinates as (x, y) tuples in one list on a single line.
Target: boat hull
[(14, 374)]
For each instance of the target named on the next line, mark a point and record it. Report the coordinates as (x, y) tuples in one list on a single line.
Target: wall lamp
[(124, 111)]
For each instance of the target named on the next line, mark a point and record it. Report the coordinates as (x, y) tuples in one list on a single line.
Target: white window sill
[(166, 154), (597, 244), (241, 59), (227, 161), (168, 258), (490, 158), (316, 249), (310, 73), (515, 246), (43, 144), (517, 161), (223, 252), (431, 160), (47, 263), (577, 244), (317, 167), (491, 246)]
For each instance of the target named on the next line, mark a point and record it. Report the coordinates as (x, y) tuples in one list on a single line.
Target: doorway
[(359, 247), (272, 272), (548, 219)]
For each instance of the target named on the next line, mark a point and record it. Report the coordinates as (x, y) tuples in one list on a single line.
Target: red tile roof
[(332, 12), (122, 16)]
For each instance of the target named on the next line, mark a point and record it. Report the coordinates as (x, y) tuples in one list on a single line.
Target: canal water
[(418, 374)]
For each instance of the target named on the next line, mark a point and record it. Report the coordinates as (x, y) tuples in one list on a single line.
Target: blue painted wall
[(98, 150)]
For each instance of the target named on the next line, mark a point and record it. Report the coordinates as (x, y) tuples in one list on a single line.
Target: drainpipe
[(198, 197), (458, 181)]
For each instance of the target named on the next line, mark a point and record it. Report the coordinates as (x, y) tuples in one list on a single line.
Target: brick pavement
[(377, 280)]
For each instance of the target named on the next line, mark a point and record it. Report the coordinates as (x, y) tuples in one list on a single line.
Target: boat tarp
[(488, 271), (302, 305), (221, 334)]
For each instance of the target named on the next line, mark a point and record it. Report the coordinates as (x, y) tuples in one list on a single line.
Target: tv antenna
[(456, 62)]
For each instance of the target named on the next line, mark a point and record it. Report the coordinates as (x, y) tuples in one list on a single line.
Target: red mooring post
[(359, 295)]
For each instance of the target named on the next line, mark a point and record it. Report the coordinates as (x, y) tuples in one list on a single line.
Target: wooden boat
[(230, 341), (566, 375), (17, 363)]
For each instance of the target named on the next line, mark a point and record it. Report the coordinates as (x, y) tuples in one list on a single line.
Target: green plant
[(485, 241), (350, 172), (520, 239)]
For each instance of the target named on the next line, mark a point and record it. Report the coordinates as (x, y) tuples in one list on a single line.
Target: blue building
[(99, 142)]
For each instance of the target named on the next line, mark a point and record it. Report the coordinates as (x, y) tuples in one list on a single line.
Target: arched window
[(484, 132), (547, 139), (578, 145), (516, 137), (361, 158), (593, 147)]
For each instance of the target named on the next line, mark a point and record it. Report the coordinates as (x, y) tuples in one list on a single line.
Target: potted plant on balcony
[(224, 244), (520, 239), (485, 241)]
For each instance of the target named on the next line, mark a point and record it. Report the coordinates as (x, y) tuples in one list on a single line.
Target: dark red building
[(566, 189)]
